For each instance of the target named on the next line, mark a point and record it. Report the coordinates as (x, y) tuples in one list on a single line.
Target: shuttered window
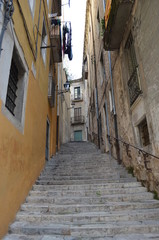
[(12, 88)]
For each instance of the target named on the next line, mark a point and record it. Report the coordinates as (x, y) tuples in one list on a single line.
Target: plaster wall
[(22, 153)]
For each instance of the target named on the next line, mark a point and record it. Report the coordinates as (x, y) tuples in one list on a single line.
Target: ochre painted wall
[(22, 156)]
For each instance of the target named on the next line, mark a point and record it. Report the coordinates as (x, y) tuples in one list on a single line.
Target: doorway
[(47, 140), (78, 136)]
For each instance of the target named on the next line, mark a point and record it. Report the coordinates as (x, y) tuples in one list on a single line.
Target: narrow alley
[(79, 119), (83, 194)]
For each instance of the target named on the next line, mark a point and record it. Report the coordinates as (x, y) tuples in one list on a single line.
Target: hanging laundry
[(55, 22), (67, 40)]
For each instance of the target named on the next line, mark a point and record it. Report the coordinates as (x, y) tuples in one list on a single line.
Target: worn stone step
[(112, 229), (92, 200), (88, 186), (116, 175), (78, 208), (51, 237), (89, 193), (90, 181), (87, 230), (89, 217), (148, 236)]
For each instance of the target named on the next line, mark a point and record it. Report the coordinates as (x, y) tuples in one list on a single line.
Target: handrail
[(140, 150)]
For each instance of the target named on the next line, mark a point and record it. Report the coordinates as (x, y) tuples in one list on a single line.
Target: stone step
[(92, 200), (89, 193), (115, 175), (148, 236), (90, 181), (87, 230), (71, 172), (89, 217), (88, 186), (71, 209)]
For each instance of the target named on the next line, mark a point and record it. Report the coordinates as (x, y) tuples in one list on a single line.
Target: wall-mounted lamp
[(66, 88)]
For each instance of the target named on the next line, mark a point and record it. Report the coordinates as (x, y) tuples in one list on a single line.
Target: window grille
[(133, 82), (12, 88)]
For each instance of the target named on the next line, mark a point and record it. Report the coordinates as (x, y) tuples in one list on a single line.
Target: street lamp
[(66, 88)]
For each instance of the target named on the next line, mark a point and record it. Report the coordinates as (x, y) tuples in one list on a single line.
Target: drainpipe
[(114, 111), (95, 71), (8, 12), (107, 124)]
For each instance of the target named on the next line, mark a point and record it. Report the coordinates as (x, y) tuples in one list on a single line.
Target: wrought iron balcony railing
[(78, 97), (134, 87), (78, 120)]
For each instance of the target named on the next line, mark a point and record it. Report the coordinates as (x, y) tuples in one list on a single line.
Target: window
[(12, 88), (98, 24), (110, 101), (48, 3), (77, 112), (133, 81), (77, 94), (144, 133), (103, 77), (16, 89), (44, 41), (104, 5), (32, 6)]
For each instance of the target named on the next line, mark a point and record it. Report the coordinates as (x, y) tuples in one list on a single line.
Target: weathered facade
[(78, 110), (28, 109), (126, 70), (63, 108)]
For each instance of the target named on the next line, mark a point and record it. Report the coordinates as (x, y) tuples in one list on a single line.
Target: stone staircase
[(83, 194)]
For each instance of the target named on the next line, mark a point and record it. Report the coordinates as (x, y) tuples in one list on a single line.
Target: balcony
[(77, 97), (116, 17), (56, 7), (77, 120), (55, 35)]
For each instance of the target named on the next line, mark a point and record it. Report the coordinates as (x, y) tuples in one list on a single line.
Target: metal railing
[(134, 87), (128, 147), (78, 97), (78, 120)]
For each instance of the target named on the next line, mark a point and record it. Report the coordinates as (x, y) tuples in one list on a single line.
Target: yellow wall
[(22, 156)]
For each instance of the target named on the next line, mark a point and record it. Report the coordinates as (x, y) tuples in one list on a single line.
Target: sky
[(75, 14)]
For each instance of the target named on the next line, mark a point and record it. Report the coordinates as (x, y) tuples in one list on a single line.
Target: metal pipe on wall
[(114, 110)]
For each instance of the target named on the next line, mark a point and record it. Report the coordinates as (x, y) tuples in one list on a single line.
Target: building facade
[(77, 110), (123, 68), (28, 100)]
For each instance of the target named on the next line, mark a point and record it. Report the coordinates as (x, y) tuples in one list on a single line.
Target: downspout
[(95, 71), (114, 110), (107, 124)]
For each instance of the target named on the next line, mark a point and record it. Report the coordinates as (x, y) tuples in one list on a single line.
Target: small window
[(104, 6), (103, 74), (98, 23), (32, 6), (110, 101), (48, 3), (77, 93), (44, 41), (144, 133)]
